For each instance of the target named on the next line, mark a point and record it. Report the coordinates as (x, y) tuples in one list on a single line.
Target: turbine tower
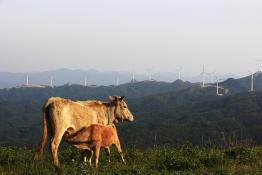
[(217, 81), (213, 76), (51, 81), (259, 61), (252, 81), (133, 77), (203, 74), (149, 73), (27, 80), (179, 72), (85, 81), (117, 81)]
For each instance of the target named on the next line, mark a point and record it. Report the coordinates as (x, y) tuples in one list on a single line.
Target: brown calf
[(93, 138)]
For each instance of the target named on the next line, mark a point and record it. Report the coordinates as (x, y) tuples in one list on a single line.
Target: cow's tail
[(42, 143)]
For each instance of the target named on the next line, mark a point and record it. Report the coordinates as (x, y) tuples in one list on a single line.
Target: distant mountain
[(130, 90), (93, 77)]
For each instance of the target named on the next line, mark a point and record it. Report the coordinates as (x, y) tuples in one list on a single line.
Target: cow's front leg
[(119, 150)]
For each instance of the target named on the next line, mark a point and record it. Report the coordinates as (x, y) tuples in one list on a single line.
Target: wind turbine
[(217, 81), (179, 72), (213, 76), (85, 81), (149, 73), (252, 81), (203, 74), (117, 81), (133, 77), (259, 62), (27, 80), (51, 81)]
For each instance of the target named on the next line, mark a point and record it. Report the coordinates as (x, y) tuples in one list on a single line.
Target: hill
[(165, 113), (168, 113), (243, 84), (130, 90), (175, 118), (20, 108)]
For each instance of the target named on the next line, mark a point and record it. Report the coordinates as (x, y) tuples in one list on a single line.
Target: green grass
[(185, 160)]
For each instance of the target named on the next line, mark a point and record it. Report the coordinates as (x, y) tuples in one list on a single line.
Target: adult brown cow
[(61, 114)]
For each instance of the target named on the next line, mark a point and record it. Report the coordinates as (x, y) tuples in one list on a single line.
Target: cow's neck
[(110, 113)]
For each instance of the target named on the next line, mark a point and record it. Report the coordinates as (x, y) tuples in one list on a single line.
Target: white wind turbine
[(213, 76), (51, 81), (252, 81), (85, 81), (259, 61), (179, 72), (217, 81), (27, 80), (133, 77), (149, 73), (117, 80), (203, 74)]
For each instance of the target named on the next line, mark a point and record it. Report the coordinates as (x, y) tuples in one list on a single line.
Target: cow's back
[(65, 113)]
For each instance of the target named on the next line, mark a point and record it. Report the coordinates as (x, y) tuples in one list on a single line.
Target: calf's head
[(122, 112)]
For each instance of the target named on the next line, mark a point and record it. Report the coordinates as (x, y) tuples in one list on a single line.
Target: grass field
[(163, 160)]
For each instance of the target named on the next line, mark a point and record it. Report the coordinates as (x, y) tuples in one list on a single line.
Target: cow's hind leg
[(119, 150), (55, 141)]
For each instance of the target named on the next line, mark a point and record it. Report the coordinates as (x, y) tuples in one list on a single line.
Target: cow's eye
[(125, 106)]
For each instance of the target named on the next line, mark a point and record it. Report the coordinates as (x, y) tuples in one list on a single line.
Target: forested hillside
[(220, 120), (165, 113)]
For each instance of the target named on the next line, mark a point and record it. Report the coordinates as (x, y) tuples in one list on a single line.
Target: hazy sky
[(225, 35)]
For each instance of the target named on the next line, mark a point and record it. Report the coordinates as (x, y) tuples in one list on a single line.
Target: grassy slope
[(164, 160)]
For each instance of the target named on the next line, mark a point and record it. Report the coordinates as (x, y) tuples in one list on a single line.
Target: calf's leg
[(97, 151), (107, 149), (89, 155)]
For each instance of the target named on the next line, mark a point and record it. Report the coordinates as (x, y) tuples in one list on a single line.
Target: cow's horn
[(111, 98), (121, 98)]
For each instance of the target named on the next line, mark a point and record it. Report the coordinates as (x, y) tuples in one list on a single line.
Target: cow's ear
[(116, 98), (111, 98), (121, 98)]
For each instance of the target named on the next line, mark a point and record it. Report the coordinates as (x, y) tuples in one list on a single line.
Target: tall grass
[(163, 160)]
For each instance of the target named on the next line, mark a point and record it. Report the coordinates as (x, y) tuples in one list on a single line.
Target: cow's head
[(122, 112)]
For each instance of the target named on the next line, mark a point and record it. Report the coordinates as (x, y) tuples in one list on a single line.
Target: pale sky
[(38, 35)]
